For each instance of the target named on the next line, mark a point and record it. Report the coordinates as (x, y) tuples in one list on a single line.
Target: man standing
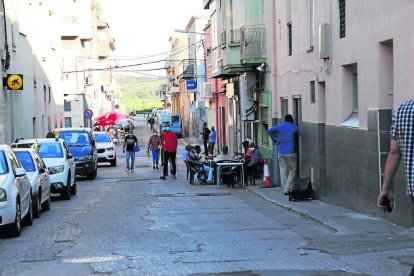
[(401, 146), (212, 141), (169, 145), (130, 143), (206, 135), (154, 145), (284, 135)]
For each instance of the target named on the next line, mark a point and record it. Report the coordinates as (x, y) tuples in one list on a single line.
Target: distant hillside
[(140, 93)]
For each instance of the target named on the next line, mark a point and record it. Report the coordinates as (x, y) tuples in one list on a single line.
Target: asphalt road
[(136, 224)]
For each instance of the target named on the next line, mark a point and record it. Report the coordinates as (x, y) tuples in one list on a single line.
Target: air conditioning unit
[(324, 41), (207, 90)]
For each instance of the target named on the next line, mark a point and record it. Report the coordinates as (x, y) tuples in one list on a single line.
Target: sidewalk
[(338, 219)]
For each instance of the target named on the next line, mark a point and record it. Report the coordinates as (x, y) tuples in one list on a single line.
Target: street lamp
[(188, 32)]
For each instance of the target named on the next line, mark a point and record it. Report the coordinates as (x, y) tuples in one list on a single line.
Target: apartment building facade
[(342, 67), (28, 50)]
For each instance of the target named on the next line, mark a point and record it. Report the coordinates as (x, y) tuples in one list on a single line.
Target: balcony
[(188, 70), (235, 36), (253, 44)]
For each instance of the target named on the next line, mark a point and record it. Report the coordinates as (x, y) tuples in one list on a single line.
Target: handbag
[(147, 154), (136, 148)]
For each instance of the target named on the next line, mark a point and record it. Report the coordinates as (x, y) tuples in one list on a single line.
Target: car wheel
[(46, 204), (16, 227), (66, 193), (74, 189), (92, 175), (28, 219), (36, 205), (113, 162)]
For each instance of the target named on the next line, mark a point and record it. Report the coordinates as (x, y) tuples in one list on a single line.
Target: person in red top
[(169, 146)]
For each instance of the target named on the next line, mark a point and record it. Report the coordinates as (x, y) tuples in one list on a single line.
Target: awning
[(222, 74)]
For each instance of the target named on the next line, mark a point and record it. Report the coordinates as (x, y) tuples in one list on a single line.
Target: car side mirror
[(69, 156), (20, 172), (42, 170)]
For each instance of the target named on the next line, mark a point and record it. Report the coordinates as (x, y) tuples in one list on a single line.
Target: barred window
[(289, 25), (312, 92), (342, 28), (67, 105)]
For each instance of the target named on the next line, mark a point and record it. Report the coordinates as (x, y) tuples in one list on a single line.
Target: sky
[(143, 27)]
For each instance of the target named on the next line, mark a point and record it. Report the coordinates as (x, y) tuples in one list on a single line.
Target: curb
[(292, 209)]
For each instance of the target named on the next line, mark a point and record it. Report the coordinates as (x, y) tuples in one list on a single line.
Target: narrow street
[(136, 224)]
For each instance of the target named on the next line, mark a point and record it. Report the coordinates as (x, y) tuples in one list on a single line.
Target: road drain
[(224, 193)]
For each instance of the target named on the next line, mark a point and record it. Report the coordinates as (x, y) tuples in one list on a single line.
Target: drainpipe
[(274, 105)]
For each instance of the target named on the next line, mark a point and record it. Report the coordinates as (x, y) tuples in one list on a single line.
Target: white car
[(59, 161), (106, 148), (15, 193), (39, 178)]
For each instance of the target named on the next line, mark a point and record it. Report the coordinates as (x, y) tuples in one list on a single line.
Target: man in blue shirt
[(212, 141), (284, 135)]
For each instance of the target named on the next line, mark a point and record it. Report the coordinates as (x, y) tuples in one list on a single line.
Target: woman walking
[(154, 145)]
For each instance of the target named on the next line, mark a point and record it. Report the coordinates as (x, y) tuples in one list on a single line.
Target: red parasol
[(108, 118)]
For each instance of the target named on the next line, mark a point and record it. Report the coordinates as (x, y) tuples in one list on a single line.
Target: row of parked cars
[(33, 169)]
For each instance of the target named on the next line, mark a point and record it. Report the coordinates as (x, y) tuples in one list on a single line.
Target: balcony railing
[(253, 42)]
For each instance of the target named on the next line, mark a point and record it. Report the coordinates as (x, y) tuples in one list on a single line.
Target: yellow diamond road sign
[(15, 82)]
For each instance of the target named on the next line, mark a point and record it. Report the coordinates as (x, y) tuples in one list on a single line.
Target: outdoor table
[(220, 164)]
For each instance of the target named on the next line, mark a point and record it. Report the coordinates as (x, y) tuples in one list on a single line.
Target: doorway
[(297, 117)]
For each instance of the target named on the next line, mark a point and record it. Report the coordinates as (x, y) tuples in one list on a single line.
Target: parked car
[(39, 178), (106, 148), (59, 161), (15, 194), (82, 145)]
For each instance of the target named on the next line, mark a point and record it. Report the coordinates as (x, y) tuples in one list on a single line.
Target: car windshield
[(50, 150), (75, 138), (165, 118), (175, 119), (3, 164), (102, 138), (26, 160)]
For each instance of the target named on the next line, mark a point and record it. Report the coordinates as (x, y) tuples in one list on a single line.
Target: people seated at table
[(194, 156)]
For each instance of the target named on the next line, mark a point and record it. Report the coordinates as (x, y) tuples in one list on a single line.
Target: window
[(350, 94), (342, 28), (283, 107), (67, 105), (312, 92), (68, 122), (50, 95), (311, 25), (44, 93), (289, 26)]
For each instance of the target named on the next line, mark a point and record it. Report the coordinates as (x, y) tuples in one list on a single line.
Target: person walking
[(212, 141), (205, 134), (284, 135), (151, 122), (130, 144), (154, 145), (401, 147), (169, 146)]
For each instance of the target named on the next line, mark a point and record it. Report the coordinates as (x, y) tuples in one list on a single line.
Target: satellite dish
[(200, 112)]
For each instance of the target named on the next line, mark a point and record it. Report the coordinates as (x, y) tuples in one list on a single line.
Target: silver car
[(39, 178), (15, 193)]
